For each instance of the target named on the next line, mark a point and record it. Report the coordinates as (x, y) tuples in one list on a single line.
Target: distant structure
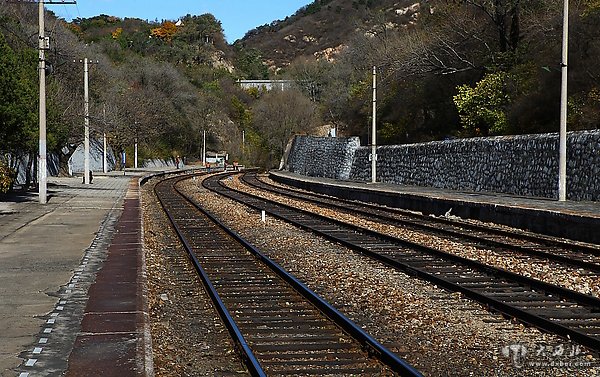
[(266, 84), (218, 158)]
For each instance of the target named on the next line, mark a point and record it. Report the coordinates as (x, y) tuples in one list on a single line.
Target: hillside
[(191, 40), (322, 29), (445, 69)]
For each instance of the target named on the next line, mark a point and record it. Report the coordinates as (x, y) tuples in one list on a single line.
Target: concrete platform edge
[(548, 222)]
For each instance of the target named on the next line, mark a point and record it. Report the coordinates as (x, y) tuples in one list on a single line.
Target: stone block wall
[(328, 157), (518, 165)]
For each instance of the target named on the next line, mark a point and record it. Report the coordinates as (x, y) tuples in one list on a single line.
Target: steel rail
[(248, 356), (592, 342), (389, 358), (386, 214), (373, 346), (524, 235), (586, 299)]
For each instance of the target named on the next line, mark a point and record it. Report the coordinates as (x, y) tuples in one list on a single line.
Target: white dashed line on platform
[(30, 362)]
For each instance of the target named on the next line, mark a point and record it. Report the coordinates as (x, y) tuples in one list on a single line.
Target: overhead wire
[(78, 13), (67, 12)]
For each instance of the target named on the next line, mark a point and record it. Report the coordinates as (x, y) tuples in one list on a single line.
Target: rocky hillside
[(323, 28)]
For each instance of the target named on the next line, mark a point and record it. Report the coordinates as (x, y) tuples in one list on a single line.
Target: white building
[(266, 84)]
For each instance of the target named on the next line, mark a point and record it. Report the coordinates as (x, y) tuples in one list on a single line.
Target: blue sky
[(237, 16)]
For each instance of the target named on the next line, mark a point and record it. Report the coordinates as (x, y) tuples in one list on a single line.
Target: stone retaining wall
[(518, 165), (322, 156)]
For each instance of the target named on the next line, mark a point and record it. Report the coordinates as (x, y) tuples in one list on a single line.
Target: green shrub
[(482, 108)]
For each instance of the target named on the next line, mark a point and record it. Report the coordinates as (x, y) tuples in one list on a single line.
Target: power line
[(78, 13), (67, 11)]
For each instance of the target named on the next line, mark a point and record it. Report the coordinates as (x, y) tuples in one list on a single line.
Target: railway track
[(506, 242), (279, 325), (551, 308)]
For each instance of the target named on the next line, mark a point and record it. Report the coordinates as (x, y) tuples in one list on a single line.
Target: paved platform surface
[(560, 219), (49, 257)]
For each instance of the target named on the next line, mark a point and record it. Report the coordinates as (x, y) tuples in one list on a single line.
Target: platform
[(50, 256), (573, 220)]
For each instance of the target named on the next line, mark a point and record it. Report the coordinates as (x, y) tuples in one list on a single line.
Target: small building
[(217, 158), (266, 84)]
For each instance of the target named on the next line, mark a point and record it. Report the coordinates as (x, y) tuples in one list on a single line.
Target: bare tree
[(311, 75), (280, 114), (505, 15)]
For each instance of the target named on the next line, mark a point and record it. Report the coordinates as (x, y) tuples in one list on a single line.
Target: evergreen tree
[(18, 99)]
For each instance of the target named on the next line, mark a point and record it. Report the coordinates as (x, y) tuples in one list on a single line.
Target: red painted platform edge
[(118, 341)]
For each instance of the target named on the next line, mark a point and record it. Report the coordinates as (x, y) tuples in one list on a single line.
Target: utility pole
[(373, 130), (135, 145), (135, 159), (204, 147), (104, 167), (86, 133), (43, 45), (86, 130), (42, 165), (562, 154)]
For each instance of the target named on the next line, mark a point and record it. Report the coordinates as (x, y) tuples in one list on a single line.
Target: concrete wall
[(519, 165), (52, 168), (159, 163), (76, 161)]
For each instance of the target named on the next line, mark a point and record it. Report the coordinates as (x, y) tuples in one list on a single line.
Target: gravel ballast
[(440, 333), (189, 339), (538, 268)]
